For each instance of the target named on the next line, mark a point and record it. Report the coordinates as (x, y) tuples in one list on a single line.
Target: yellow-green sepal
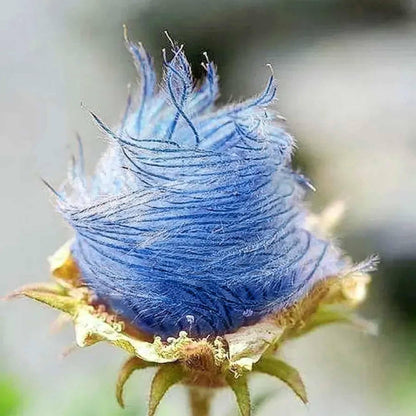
[(242, 394), (131, 365), (331, 314), (167, 376), (52, 295), (277, 368)]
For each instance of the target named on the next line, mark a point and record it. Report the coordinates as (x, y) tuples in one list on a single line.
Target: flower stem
[(200, 401)]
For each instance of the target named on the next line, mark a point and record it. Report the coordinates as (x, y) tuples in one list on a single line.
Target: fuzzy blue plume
[(194, 218)]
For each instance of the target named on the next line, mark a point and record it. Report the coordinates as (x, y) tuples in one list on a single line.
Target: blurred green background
[(347, 74)]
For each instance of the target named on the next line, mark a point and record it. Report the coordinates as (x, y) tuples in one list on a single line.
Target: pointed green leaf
[(164, 379), (63, 303), (289, 375), (131, 365), (240, 388), (44, 287), (328, 315)]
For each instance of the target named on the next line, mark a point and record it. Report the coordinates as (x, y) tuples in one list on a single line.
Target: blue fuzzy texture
[(194, 219)]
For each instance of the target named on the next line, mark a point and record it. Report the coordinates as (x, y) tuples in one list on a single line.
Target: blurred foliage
[(11, 397), (400, 283), (224, 28)]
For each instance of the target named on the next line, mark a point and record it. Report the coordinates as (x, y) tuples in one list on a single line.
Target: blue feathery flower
[(194, 218)]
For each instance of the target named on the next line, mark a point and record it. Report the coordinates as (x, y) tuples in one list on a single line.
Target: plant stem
[(200, 401)]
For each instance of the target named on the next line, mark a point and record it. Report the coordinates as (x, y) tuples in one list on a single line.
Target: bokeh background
[(347, 86)]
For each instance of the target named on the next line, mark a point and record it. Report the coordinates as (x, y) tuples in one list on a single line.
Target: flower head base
[(192, 250), (200, 362)]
